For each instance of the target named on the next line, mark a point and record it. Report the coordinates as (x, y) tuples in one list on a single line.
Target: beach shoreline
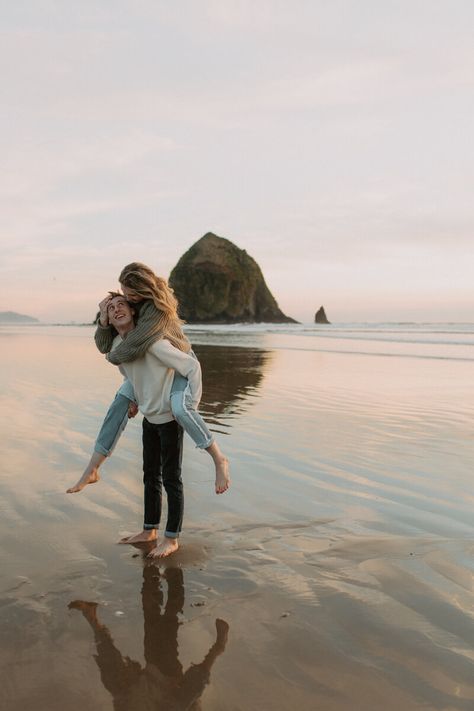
[(336, 573)]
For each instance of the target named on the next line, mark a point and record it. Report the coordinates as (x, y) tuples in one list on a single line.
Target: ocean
[(426, 340)]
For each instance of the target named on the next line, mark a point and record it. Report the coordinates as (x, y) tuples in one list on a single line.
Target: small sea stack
[(320, 316)]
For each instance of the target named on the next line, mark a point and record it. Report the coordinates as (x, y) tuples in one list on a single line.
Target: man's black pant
[(162, 455)]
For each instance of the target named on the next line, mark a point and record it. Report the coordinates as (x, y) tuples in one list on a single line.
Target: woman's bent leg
[(186, 414), (112, 427), (191, 421)]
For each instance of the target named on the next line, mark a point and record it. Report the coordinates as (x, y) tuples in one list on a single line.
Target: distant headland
[(13, 317)]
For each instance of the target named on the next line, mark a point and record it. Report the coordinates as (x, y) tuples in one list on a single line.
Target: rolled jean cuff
[(190, 420), (102, 450), (150, 526), (171, 534), (204, 444), (207, 443)]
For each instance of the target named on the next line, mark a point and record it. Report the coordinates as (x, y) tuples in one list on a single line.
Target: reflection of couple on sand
[(161, 683), (140, 331)]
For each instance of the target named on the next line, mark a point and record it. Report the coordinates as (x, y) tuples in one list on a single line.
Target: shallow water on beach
[(336, 573)]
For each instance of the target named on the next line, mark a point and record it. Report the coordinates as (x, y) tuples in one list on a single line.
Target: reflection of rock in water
[(231, 376), (160, 683)]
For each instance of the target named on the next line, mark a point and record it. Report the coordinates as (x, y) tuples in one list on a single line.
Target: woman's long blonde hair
[(144, 282)]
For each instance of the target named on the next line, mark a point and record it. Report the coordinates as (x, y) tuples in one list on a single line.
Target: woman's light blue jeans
[(182, 408), (186, 414)]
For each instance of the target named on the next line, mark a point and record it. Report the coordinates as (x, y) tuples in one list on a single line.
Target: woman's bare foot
[(142, 537), (164, 548), (222, 475), (89, 609), (91, 473), (89, 477)]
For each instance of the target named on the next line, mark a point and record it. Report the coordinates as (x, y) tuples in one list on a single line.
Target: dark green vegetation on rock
[(13, 317), (216, 282)]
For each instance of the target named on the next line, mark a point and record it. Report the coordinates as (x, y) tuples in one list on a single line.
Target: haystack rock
[(216, 282), (320, 316)]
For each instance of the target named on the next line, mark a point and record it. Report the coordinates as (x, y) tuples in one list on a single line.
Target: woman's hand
[(132, 409), (104, 317)]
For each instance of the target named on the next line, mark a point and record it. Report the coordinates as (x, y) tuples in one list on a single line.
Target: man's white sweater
[(152, 378)]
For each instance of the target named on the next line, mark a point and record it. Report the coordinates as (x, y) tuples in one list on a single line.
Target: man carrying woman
[(164, 378)]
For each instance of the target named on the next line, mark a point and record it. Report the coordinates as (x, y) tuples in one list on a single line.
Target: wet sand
[(336, 574)]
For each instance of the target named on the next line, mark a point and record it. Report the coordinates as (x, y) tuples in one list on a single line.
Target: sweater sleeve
[(103, 338), (139, 340), (184, 363)]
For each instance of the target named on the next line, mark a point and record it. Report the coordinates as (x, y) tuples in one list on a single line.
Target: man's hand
[(104, 317), (132, 409)]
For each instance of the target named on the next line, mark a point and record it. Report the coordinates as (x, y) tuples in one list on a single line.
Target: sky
[(331, 139)]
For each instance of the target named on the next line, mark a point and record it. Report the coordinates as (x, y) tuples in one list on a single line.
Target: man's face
[(120, 313)]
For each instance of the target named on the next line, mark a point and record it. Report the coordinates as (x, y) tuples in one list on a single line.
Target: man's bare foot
[(164, 548), (89, 477), (142, 537), (222, 476)]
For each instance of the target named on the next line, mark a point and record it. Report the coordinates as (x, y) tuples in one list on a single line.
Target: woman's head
[(138, 283)]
